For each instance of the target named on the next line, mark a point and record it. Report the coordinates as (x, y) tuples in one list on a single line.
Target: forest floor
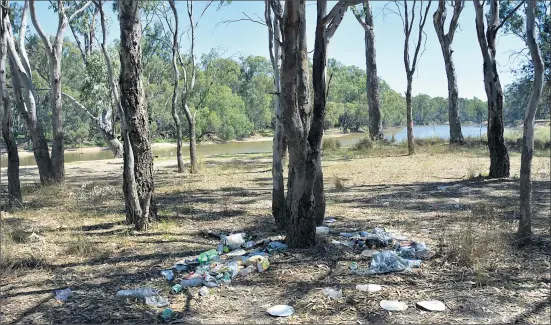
[(477, 270)]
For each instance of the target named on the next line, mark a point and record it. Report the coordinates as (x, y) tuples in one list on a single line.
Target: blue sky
[(248, 38)]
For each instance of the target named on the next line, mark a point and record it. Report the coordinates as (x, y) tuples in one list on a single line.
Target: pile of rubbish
[(389, 252), (235, 256)]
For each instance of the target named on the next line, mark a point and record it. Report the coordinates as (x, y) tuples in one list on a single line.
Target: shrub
[(330, 144), (364, 144)]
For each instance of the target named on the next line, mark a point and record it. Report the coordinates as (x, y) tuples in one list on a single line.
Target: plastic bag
[(388, 261)]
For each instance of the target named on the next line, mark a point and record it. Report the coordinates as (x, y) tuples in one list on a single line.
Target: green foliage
[(330, 144), (364, 144)]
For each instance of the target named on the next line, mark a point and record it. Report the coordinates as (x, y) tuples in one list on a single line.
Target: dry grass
[(477, 271)]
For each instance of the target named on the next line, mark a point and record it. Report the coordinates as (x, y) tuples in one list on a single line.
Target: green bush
[(364, 144), (330, 144)]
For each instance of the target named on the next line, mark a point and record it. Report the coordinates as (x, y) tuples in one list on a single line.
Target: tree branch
[(247, 18), (509, 15), (78, 11), (38, 28), (76, 102)]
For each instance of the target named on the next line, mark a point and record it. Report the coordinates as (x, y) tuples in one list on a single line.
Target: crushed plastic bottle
[(204, 291), (63, 295), (415, 250), (233, 269), (332, 293), (140, 293), (168, 274), (322, 230), (156, 301), (206, 256)]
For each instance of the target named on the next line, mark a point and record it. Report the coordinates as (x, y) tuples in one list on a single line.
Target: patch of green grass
[(365, 144), (331, 144)]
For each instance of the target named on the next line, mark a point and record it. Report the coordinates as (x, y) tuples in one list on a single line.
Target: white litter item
[(442, 187), (369, 287), (281, 310), (385, 204), (330, 220), (431, 305), (322, 230), (234, 241), (369, 252), (332, 293), (393, 305), (237, 252)]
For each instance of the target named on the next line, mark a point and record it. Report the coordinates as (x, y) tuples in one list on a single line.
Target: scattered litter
[(149, 295), (263, 264), (140, 293), (167, 314), (246, 271), (414, 250), (330, 220), (322, 230), (281, 310), (36, 238), (234, 241), (369, 252), (388, 261), (397, 237), (378, 237), (354, 266), (442, 187), (168, 274), (344, 243), (276, 246), (185, 265), (63, 295), (431, 305), (193, 282), (156, 301), (393, 305), (206, 256), (332, 293), (175, 289), (346, 234), (237, 252), (249, 244), (204, 291), (368, 287), (385, 204)]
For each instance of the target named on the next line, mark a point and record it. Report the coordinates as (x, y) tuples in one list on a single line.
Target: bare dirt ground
[(477, 270)]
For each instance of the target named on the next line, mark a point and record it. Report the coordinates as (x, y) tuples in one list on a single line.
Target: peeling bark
[(14, 185), (278, 146), (175, 116)]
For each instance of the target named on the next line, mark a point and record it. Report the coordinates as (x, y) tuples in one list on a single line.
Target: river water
[(232, 148)]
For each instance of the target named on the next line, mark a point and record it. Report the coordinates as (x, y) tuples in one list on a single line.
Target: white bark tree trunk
[(525, 224)]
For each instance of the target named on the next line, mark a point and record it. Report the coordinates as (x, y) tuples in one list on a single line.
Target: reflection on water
[(232, 148)]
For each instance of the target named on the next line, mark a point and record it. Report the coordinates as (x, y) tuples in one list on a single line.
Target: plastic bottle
[(322, 230), (167, 314), (206, 256), (139, 293), (168, 274)]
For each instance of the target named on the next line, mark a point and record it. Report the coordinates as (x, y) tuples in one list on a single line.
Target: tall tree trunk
[(25, 96), (372, 82), (525, 224), (135, 114), (40, 144), (409, 115), (278, 146), (14, 185), (192, 140), (456, 136), (499, 156), (446, 40), (175, 90), (319, 84), (297, 113), (58, 153)]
